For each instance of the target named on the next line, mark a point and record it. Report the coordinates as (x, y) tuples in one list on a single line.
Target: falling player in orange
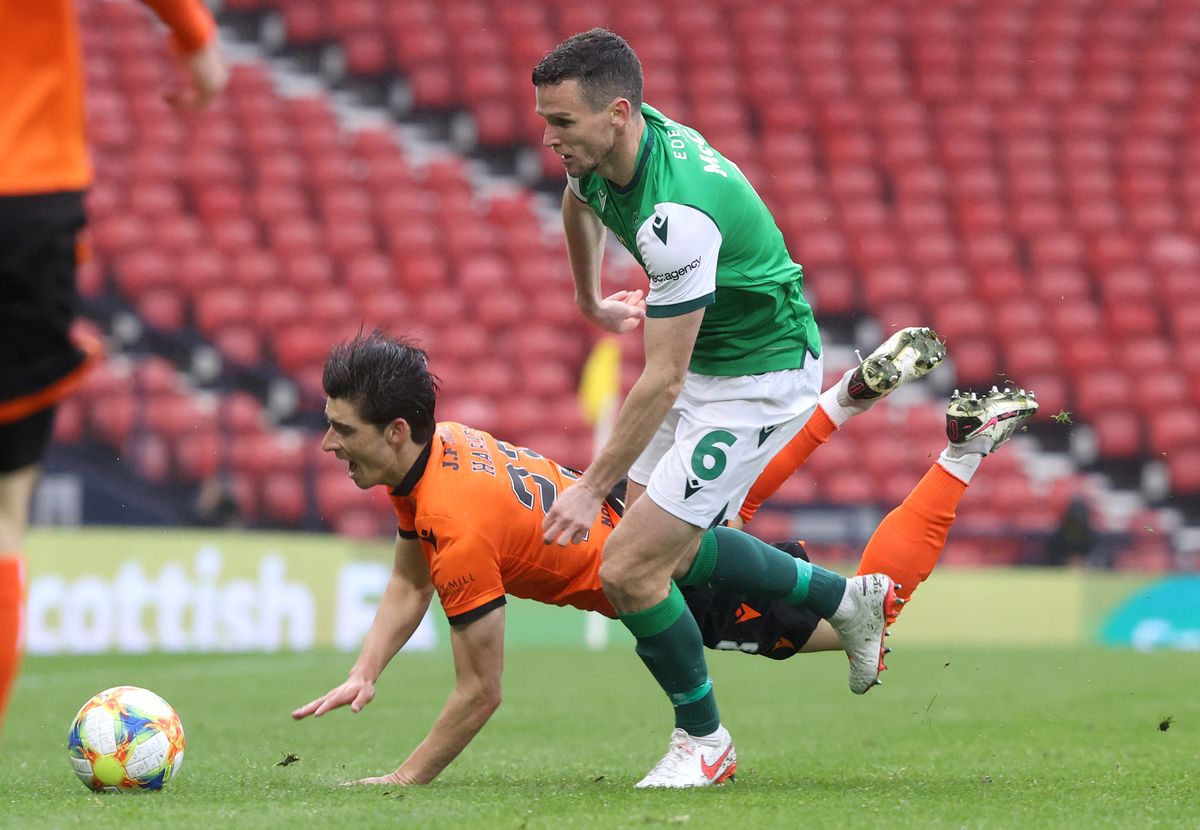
[(470, 509), (44, 171)]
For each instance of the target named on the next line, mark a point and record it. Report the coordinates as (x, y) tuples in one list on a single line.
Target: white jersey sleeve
[(573, 183), (679, 246)]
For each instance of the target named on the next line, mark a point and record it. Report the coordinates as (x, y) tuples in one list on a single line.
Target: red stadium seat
[(1083, 354), (848, 487), (1174, 429), (960, 319), (1118, 433), (240, 413), (283, 498), (832, 291), (1183, 466), (1077, 320), (198, 455), (882, 286), (1029, 354), (1017, 317), (1062, 286), (69, 421), (336, 494), (1130, 320), (220, 306), (112, 420), (1185, 320), (162, 308), (1097, 391), (239, 344), (278, 307), (976, 362)]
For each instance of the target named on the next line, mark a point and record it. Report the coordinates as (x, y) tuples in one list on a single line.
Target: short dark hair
[(602, 62), (384, 379)]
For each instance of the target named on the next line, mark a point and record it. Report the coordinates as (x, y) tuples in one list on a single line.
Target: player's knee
[(613, 577)]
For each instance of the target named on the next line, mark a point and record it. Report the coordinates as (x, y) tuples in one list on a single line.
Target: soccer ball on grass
[(126, 739)]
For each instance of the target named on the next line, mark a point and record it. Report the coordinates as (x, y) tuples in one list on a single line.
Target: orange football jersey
[(476, 504), (42, 143)]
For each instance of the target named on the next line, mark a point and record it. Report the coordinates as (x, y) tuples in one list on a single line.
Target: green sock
[(731, 560), (669, 643)]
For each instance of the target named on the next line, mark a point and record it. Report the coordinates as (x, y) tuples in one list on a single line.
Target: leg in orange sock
[(785, 463), (11, 594), (909, 540)]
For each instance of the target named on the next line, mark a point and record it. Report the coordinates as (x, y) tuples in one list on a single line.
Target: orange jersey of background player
[(476, 505), (43, 147)]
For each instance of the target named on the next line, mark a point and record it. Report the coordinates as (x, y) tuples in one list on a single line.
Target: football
[(126, 739)]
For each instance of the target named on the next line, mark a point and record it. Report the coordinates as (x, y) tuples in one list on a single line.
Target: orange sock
[(909, 540), (791, 458), (12, 578)]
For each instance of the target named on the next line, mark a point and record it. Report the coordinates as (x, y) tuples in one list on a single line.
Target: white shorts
[(718, 438)]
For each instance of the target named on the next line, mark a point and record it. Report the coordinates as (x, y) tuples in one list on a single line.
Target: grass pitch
[(955, 738)]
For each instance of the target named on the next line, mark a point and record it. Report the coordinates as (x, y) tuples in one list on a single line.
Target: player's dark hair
[(601, 62), (384, 379)]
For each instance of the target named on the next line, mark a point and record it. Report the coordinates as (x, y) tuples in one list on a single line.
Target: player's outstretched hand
[(620, 312), (571, 516), (355, 692), (394, 779), (207, 75)]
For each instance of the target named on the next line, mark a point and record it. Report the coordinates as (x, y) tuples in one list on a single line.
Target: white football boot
[(861, 621), (908, 354), (689, 763), (981, 423)]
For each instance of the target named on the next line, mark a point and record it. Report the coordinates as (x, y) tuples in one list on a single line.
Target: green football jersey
[(705, 239)]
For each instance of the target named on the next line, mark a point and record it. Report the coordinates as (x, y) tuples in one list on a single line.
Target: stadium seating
[(1007, 174)]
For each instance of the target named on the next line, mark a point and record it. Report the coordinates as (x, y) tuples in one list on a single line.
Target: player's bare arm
[(478, 665), (619, 312), (669, 342), (585, 249), (404, 603), (206, 75), (197, 50)]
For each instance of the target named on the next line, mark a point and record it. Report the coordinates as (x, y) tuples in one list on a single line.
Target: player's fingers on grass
[(307, 709), (364, 697), (338, 697)]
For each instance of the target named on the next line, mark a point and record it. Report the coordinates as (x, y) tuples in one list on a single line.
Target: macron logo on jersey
[(659, 279), (660, 227)]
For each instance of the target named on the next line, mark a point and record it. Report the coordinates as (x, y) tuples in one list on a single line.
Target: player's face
[(363, 446), (582, 137)]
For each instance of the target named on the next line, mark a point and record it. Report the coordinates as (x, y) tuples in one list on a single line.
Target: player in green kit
[(732, 373)]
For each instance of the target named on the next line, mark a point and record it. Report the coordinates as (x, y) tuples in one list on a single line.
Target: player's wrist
[(364, 673), (405, 777), (596, 486), (589, 304)]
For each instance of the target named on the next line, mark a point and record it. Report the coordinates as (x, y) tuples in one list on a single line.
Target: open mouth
[(353, 469)]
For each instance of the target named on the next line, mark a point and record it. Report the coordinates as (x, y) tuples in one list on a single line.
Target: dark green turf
[(955, 738)]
